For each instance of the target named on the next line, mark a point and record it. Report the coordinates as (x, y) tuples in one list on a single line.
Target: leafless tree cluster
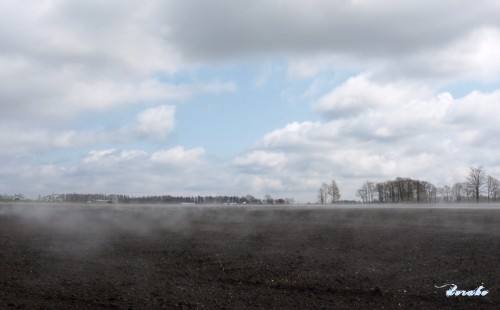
[(405, 190), (478, 186), (367, 192), (329, 193)]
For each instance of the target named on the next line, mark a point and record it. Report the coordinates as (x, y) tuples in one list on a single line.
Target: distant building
[(53, 198)]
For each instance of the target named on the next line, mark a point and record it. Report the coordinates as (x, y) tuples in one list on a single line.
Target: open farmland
[(300, 257)]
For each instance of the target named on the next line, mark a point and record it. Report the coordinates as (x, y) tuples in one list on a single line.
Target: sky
[(223, 97)]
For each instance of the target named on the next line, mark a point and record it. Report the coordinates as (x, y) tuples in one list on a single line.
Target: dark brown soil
[(91, 257)]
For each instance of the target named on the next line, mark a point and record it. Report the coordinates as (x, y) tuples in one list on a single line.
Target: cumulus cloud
[(156, 122), (19, 140), (111, 156), (65, 58), (36, 93), (416, 135), (110, 38), (359, 94), (260, 159), (178, 155), (468, 57), (151, 124), (127, 171)]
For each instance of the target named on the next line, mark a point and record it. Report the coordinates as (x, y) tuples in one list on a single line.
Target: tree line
[(477, 186), (398, 190), (168, 199)]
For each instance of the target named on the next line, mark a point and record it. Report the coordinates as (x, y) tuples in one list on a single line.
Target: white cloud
[(65, 58), (360, 94), (260, 159), (127, 171), (434, 138), (112, 156), (22, 138), (168, 171), (292, 135), (156, 122), (25, 139), (35, 92), (179, 156), (471, 56)]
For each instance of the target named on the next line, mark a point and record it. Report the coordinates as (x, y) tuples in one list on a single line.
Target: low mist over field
[(209, 257)]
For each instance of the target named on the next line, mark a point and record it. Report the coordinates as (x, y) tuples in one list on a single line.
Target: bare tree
[(459, 192), (371, 191), (445, 193), (469, 192), (493, 188), (321, 196), (431, 192), (362, 192), (323, 193), (334, 192), (476, 181), (367, 191)]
